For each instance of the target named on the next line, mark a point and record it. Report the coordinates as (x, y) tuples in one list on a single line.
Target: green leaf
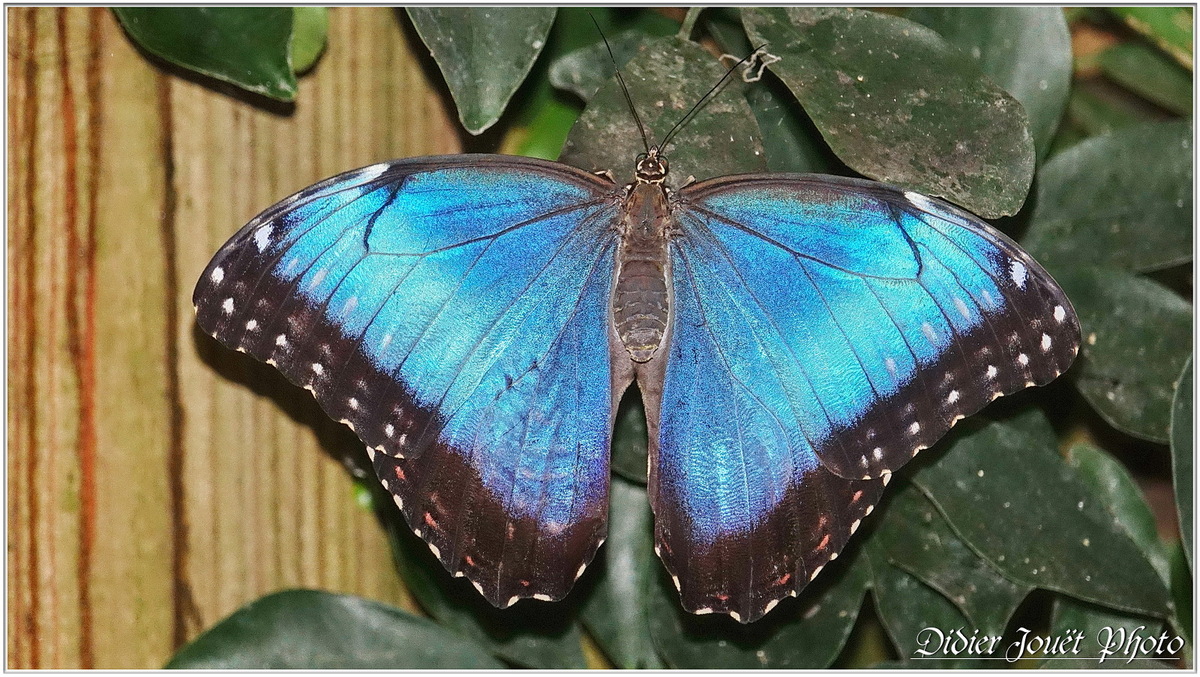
[(1123, 201), (1168, 27), (245, 46), (804, 633), (582, 71), (484, 54), (896, 102), (912, 613), (1137, 335), (1101, 629), (313, 630), (629, 438), (1182, 449), (1010, 497), (1120, 496), (1093, 111), (1145, 71), (791, 141), (1025, 50), (617, 610), (1181, 591), (666, 78), (916, 538), (310, 30), (533, 634)]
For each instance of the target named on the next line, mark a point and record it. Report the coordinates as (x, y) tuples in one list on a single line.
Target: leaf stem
[(689, 22)]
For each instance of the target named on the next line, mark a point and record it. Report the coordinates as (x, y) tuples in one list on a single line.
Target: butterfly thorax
[(640, 301)]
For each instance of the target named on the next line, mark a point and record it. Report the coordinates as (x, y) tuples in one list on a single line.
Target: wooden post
[(156, 481)]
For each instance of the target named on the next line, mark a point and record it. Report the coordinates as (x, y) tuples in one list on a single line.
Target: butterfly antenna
[(704, 99), (621, 81)]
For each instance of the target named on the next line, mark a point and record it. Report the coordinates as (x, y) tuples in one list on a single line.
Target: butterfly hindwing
[(824, 331), (445, 308)]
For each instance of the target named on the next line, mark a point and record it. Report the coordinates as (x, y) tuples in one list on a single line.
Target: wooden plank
[(156, 480)]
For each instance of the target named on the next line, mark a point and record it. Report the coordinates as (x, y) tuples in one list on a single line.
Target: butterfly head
[(652, 167)]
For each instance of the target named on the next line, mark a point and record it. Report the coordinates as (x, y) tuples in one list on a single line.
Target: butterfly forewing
[(445, 309)]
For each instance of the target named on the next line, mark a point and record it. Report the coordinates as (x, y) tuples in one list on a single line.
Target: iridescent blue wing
[(453, 312), (824, 331)]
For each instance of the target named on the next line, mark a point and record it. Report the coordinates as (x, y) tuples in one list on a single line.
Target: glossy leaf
[(616, 611), (629, 439), (1122, 201), (313, 630), (1136, 337), (1120, 496), (1025, 50), (1168, 27), (666, 78), (531, 634), (916, 538), (583, 70), (897, 103), (791, 142), (1182, 449), (789, 138), (1091, 111), (913, 614), (484, 53), (310, 30), (1053, 533), (1145, 71), (1101, 629), (803, 633), (245, 46)]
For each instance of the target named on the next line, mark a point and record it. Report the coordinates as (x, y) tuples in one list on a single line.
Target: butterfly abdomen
[(640, 301)]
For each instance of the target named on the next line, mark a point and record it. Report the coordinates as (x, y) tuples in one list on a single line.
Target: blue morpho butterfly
[(475, 319)]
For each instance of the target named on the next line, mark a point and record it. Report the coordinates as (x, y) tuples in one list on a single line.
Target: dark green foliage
[(257, 49), (312, 630), (994, 528)]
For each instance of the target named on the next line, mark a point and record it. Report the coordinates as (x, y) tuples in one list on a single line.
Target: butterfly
[(796, 338)]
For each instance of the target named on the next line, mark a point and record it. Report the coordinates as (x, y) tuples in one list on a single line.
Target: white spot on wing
[(920, 201), (318, 368), (927, 329), (952, 397), (372, 172), (389, 430), (1060, 313), (735, 616), (281, 340), (543, 597), (962, 308), (251, 325), (262, 237), (1046, 342), (1019, 273), (991, 371), (1023, 359), (877, 453), (914, 428), (436, 552), (217, 274), (227, 306)]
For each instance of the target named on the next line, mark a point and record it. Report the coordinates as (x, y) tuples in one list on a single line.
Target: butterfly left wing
[(452, 311), (824, 330)]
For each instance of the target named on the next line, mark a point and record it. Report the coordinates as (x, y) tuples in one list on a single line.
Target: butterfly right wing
[(453, 312)]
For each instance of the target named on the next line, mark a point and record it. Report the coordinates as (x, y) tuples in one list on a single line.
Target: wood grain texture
[(157, 482)]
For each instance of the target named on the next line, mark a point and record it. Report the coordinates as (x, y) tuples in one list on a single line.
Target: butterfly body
[(796, 338), (641, 295)]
